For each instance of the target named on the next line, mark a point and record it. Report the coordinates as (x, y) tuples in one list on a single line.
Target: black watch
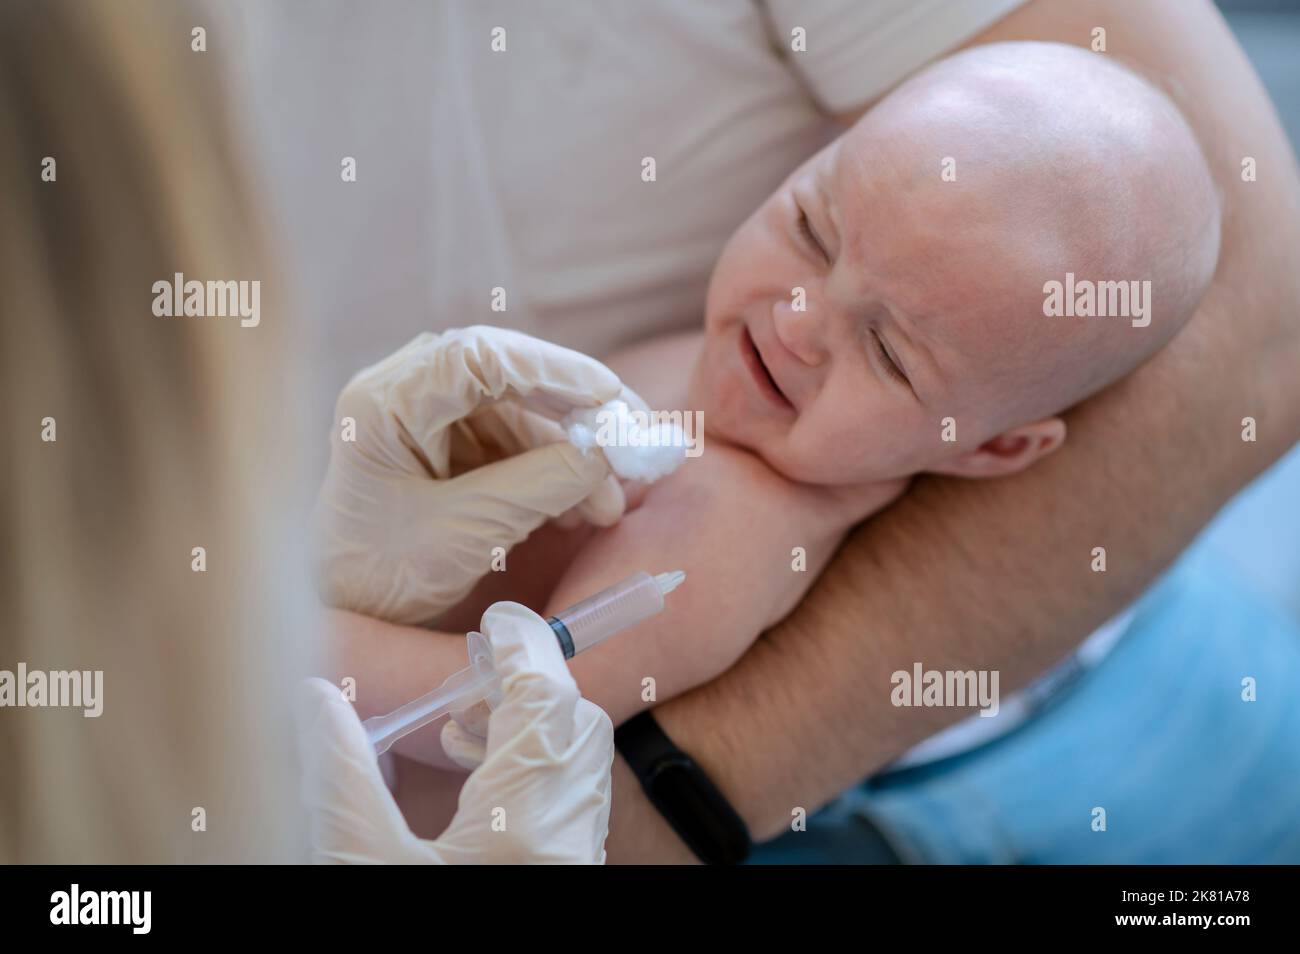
[(682, 793)]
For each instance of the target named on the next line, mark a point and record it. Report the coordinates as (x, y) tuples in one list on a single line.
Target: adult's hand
[(446, 450), (539, 792)]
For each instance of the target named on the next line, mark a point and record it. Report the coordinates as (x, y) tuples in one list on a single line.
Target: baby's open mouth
[(758, 368)]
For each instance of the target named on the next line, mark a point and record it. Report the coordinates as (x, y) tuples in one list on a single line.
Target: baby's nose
[(799, 329)]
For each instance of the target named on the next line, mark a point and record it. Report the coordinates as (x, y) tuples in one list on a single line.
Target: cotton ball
[(660, 451), (634, 451)]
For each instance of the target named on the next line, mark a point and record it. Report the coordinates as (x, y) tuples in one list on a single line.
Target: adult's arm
[(997, 575)]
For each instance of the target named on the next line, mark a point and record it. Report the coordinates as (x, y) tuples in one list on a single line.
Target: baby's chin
[(715, 393), (723, 421)]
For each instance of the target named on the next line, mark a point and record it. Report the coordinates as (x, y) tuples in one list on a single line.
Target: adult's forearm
[(997, 575)]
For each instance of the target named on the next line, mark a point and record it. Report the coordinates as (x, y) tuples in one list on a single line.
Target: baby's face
[(873, 296), (900, 271)]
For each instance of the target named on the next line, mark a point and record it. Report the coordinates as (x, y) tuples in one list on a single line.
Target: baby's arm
[(732, 524)]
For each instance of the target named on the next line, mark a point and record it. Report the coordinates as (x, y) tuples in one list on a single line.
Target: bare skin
[(945, 574)]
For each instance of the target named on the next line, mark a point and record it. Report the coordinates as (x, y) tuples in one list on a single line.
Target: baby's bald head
[(1060, 161), (900, 276)]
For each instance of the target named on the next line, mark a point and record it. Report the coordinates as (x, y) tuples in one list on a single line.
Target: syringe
[(577, 628)]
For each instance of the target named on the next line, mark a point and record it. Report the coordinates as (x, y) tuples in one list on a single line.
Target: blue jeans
[(1157, 734)]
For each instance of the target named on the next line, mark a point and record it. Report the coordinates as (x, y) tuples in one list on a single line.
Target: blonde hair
[(171, 434)]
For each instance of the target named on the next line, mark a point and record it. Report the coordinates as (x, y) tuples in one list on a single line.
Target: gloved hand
[(457, 451), (541, 793)]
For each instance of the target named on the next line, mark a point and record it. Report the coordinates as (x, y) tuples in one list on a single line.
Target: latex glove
[(457, 451), (541, 793)]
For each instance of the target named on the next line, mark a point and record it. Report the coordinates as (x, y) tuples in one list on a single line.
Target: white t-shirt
[(522, 169)]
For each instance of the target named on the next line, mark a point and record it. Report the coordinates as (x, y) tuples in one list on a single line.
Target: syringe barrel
[(610, 611)]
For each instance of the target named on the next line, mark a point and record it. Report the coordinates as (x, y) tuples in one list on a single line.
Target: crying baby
[(885, 313)]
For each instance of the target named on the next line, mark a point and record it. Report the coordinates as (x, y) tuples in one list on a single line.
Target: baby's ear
[(1008, 453)]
